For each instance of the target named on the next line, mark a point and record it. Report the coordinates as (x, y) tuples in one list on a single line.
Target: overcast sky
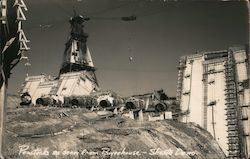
[(162, 33)]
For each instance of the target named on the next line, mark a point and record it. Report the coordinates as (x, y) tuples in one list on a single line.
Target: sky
[(162, 33)]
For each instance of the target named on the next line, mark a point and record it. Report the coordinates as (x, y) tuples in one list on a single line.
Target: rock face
[(48, 132)]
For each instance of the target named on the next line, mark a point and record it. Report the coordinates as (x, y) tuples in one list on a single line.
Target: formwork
[(213, 101), (191, 96), (213, 91)]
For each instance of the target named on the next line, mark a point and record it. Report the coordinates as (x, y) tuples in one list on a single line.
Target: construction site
[(213, 91), (71, 116)]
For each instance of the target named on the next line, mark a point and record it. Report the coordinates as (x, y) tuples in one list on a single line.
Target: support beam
[(3, 99), (248, 138)]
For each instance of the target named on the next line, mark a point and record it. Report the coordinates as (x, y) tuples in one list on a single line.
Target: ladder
[(180, 78), (234, 150), (205, 82)]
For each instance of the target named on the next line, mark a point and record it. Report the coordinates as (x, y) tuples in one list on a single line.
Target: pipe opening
[(160, 107), (130, 105), (104, 103), (25, 99), (39, 101)]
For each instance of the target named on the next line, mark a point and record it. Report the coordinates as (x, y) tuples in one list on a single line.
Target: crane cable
[(93, 15)]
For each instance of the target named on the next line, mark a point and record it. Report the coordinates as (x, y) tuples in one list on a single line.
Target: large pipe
[(110, 101), (133, 103), (83, 101), (105, 103), (25, 99), (39, 101), (75, 102), (45, 101), (130, 105), (118, 101), (161, 107), (78, 101), (67, 101)]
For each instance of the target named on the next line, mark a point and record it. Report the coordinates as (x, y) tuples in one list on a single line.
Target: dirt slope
[(45, 132)]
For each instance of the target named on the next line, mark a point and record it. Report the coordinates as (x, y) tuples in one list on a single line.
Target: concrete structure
[(213, 91), (77, 74)]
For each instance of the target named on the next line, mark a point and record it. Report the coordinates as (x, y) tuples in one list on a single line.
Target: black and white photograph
[(124, 79)]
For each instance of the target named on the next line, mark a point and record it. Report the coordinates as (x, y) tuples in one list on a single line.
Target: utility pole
[(13, 44)]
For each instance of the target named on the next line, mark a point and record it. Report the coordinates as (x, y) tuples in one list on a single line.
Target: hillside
[(48, 132)]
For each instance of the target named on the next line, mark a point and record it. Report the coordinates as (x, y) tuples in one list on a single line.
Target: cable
[(105, 18), (131, 70), (111, 8), (48, 24), (61, 8)]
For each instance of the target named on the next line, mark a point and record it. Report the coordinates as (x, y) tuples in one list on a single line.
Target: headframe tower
[(77, 56)]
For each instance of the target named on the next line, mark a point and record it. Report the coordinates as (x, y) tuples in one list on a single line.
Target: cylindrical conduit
[(67, 101), (84, 101), (130, 105), (75, 102), (161, 107), (105, 103), (134, 103), (26, 99), (117, 102), (45, 101)]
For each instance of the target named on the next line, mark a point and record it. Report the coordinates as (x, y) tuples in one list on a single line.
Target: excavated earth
[(65, 133)]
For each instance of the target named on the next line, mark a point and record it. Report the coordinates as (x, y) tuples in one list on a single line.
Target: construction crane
[(76, 59)]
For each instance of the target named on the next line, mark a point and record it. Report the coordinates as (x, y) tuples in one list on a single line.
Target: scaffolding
[(181, 67), (205, 81), (231, 110)]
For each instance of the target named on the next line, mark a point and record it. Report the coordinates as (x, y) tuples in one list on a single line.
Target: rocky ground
[(65, 133)]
